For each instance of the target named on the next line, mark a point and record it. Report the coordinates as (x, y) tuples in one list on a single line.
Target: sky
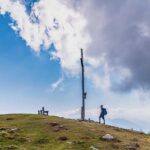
[(40, 42)]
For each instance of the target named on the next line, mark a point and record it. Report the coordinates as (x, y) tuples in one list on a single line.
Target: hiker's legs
[(99, 119), (103, 119)]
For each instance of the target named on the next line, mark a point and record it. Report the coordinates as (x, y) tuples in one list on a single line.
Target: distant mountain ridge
[(127, 124), (124, 124)]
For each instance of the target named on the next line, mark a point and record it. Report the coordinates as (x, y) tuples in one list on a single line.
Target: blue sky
[(26, 77), (33, 73)]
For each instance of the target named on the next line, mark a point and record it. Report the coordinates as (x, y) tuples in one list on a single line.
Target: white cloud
[(113, 40), (56, 85), (99, 81), (74, 113), (120, 33), (50, 22), (66, 28)]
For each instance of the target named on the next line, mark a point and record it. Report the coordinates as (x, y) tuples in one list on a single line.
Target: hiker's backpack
[(104, 111)]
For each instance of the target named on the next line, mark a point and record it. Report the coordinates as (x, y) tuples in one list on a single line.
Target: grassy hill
[(34, 132)]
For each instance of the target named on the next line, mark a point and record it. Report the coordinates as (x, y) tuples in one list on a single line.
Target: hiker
[(102, 114)]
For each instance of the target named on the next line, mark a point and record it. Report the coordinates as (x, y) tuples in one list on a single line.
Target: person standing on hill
[(102, 114)]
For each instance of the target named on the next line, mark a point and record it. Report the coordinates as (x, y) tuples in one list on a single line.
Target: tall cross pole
[(83, 92)]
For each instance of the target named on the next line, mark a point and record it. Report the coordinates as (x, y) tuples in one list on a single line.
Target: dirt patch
[(63, 138), (54, 124), (9, 119)]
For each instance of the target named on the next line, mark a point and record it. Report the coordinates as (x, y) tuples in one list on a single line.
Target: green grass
[(37, 132)]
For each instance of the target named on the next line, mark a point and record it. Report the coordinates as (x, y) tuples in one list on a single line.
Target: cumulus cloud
[(50, 22), (120, 32), (115, 35)]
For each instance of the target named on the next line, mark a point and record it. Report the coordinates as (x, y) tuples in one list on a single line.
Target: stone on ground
[(93, 148), (108, 137)]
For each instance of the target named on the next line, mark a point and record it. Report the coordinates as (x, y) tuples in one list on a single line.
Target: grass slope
[(34, 132)]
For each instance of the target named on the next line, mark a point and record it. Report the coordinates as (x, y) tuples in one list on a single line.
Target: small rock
[(93, 148), (59, 127), (108, 137), (70, 143), (14, 130)]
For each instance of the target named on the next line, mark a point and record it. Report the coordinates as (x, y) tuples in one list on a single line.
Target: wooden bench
[(43, 112)]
